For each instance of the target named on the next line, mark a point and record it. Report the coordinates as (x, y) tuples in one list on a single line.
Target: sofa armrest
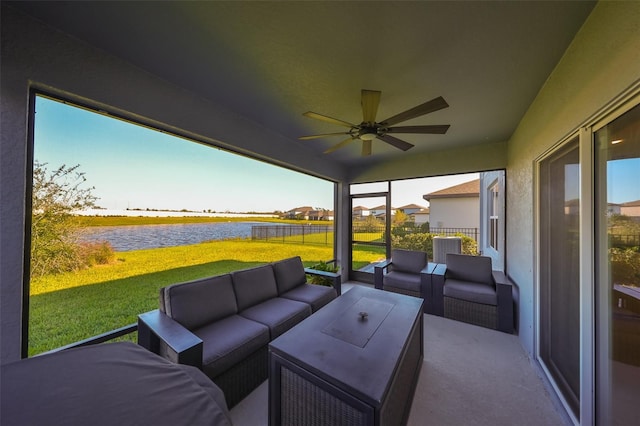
[(437, 289), (159, 333), (378, 272), (336, 279), (504, 290)]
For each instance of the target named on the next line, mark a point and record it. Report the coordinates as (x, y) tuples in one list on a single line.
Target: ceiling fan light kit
[(369, 129)]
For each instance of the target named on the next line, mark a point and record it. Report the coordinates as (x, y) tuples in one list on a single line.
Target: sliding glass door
[(617, 149), (559, 292)]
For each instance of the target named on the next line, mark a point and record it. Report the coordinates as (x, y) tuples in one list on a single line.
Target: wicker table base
[(339, 367)]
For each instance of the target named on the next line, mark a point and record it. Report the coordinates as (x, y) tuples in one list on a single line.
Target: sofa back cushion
[(289, 274), (200, 302), (254, 285), (469, 268), (408, 260)]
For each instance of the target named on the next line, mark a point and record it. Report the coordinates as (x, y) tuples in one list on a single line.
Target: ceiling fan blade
[(327, 119), (340, 145), (398, 143), (427, 107), (366, 148), (433, 129), (370, 102), (324, 135)]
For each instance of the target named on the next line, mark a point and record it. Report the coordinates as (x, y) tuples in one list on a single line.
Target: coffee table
[(354, 362)]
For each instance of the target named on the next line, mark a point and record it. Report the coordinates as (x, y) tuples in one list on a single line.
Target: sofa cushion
[(254, 285), (196, 303), (228, 341), (315, 296), (471, 291), (469, 268), (402, 280), (408, 260), (279, 314), (289, 274)]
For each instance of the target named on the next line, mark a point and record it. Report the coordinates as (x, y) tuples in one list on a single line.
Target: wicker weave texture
[(304, 403), (402, 291), (241, 379), (470, 312)]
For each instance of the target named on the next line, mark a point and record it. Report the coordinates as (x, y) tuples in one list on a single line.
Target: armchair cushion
[(196, 303), (408, 260), (289, 274), (471, 291), (403, 280), (254, 285), (469, 268), (228, 341)]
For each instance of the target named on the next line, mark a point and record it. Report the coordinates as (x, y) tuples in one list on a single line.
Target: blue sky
[(132, 166)]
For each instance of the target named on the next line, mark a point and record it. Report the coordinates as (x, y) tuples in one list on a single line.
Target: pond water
[(137, 237)]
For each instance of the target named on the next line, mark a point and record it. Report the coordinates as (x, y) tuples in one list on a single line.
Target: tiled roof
[(631, 204), (411, 206), (467, 189)]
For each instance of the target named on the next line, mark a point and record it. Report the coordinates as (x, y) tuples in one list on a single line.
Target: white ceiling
[(272, 61)]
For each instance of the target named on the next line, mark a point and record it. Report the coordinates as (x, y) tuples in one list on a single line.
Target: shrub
[(326, 267), (100, 253)]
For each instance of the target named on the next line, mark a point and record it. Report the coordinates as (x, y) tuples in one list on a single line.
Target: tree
[(56, 195)]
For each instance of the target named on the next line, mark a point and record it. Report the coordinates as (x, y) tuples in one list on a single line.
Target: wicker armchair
[(407, 272), (466, 289)]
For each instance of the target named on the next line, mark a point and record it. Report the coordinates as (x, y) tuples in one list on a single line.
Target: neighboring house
[(631, 208), (380, 211), (360, 212), (421, 216), (299, 213), (455, 207), (410, 209), (320, 214)]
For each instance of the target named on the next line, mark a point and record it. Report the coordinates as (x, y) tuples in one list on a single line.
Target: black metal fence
[(616, 240), (305, 234), (367, 232)]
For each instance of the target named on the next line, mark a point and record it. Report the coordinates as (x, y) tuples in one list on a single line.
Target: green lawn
[(69, 307)]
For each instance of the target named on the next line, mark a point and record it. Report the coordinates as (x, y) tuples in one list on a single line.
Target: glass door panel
[(618, 270), (560, 271), (369, 234)]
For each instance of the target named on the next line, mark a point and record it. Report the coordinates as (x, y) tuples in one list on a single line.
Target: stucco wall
[(454, 212), (601, 63)]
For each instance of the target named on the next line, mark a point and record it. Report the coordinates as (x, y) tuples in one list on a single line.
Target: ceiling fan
[(370, 129)]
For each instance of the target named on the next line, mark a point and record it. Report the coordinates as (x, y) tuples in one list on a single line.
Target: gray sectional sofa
[(223, 324)]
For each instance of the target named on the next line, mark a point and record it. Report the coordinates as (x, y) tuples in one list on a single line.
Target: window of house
[(493, 216)]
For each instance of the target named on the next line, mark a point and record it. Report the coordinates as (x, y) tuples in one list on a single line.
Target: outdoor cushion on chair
[(405, 273), (467, 289)]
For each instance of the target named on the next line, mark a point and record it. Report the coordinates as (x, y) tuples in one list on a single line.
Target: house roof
[(301, 209), (411, 206), (463, 190), (631, 204)]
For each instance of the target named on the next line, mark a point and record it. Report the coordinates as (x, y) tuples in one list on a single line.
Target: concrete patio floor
[(470, 376)]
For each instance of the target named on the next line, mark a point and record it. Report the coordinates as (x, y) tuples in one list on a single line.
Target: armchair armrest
[(426, 286), (504, 290), (336, 279), (437, 289), (160, 334), (378, 272)]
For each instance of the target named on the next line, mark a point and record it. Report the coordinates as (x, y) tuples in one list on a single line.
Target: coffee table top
[(354, 353)]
